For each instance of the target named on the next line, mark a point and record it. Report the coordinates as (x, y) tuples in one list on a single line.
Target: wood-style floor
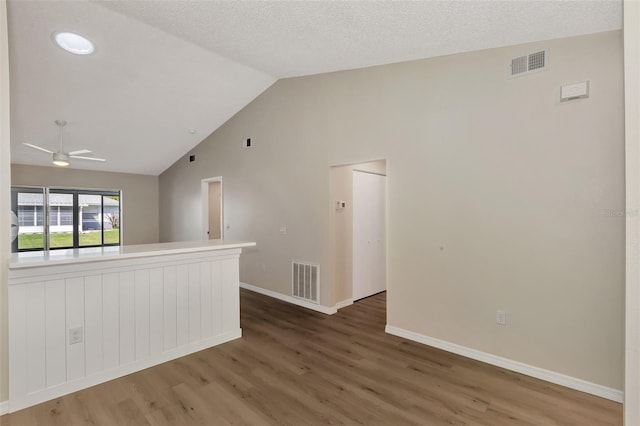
[(297, 367)]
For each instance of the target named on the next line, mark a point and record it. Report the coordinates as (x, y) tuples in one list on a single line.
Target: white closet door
[(369, 239)]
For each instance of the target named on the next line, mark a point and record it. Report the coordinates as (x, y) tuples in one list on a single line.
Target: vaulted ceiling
[(166, 74)]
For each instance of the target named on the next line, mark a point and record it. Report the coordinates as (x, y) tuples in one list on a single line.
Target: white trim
[(344, 303), (4, 407), (370, 172), (204, 195), (632, 150), (300, 302), (290, 299), (529, 370), (104, 376)]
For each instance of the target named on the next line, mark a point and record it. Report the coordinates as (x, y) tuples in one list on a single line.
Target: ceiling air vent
[(528, 64)]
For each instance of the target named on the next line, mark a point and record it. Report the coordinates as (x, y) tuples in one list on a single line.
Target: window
[(99, 219), (75, 218), (60, 236), (28, 204)]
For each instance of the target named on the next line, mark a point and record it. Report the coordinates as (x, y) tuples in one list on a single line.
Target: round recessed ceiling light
[(73, 43)]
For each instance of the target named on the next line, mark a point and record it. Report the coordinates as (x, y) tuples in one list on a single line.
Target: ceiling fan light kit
[(61, 158)]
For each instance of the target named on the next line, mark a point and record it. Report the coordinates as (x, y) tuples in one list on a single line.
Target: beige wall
[(522, 192), (632, 152), (5, 218), (139, 195), (342, 224), (283, 180)]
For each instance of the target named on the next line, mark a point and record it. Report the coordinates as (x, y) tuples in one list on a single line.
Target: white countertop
[(96, 254)]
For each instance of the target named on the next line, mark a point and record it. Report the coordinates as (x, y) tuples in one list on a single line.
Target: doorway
[(369, 234), (342, 223), (212, 208)]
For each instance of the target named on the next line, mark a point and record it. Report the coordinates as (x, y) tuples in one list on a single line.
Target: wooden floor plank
[(296, 367)]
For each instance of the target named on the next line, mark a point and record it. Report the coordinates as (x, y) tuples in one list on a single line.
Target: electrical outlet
[(283, 230), (75, 335), (501, 317)]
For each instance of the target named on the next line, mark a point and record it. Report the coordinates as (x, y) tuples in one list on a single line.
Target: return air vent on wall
[(528, 64), (305, 278)]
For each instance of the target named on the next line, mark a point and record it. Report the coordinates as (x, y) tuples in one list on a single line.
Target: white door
[(215, 211), (369, 239)]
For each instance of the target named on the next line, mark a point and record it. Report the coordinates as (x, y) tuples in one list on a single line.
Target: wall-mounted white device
[(569, 92), (340, 205)]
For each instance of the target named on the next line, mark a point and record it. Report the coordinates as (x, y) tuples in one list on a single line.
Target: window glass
[(90, 225), (66, 215), (54, 216), (111, 207), (30, 219), (60, 234)]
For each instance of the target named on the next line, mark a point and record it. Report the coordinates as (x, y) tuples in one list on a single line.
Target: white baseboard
[(294, 300), (529, 370), (344, 303), (104, 376)]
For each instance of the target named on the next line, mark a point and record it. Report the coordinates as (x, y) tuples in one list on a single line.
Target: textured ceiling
[(163, 67), (292, 38)]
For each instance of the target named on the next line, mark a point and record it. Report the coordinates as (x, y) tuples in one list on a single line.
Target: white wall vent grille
[(305, 279), (528, 64)]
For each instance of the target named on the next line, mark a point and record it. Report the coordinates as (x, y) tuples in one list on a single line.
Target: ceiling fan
[(61, 158)]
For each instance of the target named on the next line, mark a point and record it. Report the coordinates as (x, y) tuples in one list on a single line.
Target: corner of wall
[(632, 151), (5, 189)]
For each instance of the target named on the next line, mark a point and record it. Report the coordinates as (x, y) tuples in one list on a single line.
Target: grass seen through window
[(65, 239)]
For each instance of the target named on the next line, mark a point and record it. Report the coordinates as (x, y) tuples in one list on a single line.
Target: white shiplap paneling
[(74, 292), (18, 339), (56, 334), (182, 305), (170, 306), (156, 310), (230, 304), (127, 317), (216, 298), (36, 360), (142, 314), (194, 302), (93, 326), (133, 314), (110, 320), (205, 300)]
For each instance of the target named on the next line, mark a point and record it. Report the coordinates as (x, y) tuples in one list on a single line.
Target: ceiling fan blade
[(87, 158), (80, 152), (39, 148)]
